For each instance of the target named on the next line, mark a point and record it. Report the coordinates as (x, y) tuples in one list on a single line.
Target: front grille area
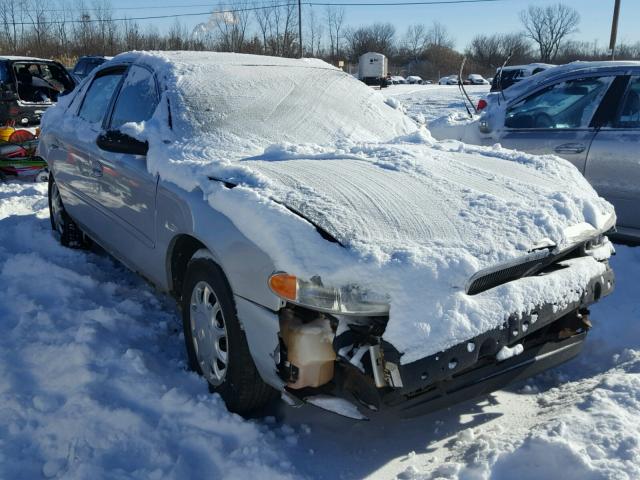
[(526, 266), (492, 279)]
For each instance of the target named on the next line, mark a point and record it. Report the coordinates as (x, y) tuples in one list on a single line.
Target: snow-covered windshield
[(261, 105)]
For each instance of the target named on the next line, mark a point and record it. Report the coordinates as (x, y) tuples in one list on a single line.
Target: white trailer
[(372, 68)]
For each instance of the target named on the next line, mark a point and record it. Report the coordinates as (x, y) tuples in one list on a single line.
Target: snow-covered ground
[(93, 384), (425, 103)]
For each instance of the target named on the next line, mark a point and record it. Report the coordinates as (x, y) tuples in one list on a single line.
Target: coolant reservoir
[(309, 349)]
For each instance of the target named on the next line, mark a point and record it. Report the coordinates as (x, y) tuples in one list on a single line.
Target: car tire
[(68, 232), (216, 345)]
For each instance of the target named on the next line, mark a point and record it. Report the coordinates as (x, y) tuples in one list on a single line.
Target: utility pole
[(300, 26), (614, 29)]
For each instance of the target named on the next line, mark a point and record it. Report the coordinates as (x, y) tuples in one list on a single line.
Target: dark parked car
[(28, 86), (85, 65), (514, 74)]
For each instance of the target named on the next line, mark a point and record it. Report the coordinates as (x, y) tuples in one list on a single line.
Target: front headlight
[(347, 300)]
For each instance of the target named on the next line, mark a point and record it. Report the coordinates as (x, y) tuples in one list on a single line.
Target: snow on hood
[(417, 218)]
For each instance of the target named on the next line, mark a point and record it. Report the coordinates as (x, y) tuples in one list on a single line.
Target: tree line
[(67, 29)]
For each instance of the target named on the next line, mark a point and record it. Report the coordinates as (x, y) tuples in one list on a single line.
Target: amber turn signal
[(284, 285)]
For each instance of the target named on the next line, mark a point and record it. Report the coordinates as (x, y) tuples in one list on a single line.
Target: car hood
[(395, 198), (418, 220)]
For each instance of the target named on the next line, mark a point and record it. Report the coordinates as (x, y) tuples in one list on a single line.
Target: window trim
[(546, 85), (613, 124), (106, 124), (102, 73)]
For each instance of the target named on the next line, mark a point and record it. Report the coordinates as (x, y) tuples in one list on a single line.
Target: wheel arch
[(180, 252)]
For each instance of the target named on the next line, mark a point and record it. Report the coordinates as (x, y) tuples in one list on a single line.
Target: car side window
[(629, 116), (4, 73), (137, 100), (96, 100), (81, 67), (567, 104)]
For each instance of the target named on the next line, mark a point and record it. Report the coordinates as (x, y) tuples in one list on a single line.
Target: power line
[(155, 17), (265, 4), (398, 4), (247, 9)]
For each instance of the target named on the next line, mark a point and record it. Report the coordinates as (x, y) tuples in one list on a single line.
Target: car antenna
[(500, 77), (463, 91)]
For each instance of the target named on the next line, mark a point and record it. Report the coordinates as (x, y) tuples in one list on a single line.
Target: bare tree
[(10, 14), (549, 26), (263, 18), (231, 27), (335, 23), (36, 13), (490, 51), (378, 37), (314, 34), (438, 36), (415, 40)]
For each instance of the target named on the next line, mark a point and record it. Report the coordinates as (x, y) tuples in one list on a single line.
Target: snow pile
[(418, 218), (456, 126), (426, 103), (92, 381)]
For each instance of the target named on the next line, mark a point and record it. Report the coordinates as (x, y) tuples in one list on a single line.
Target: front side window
[(629, 116), (96, 101), (568, 104), (137, 100)]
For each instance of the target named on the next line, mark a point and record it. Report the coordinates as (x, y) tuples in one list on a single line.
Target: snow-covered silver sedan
[(320, 244)]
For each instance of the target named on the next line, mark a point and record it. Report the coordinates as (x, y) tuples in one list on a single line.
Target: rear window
[(508, 78)]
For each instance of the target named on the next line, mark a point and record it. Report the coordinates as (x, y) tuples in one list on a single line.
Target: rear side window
[(86, 65), (96, 100), (137, 99), (629, 116), (4, 73), (568, 104), (508, 78), (81, 67)]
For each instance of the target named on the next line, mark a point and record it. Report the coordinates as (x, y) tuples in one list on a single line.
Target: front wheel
[(216, 345), (68, 232)]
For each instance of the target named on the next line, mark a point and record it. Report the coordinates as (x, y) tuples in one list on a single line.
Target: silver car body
[(601, 146), (154, 227)]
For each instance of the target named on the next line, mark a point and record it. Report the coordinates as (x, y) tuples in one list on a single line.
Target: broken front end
[(344, 358)]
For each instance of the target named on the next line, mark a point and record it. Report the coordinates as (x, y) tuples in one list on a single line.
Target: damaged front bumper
[(534, 342)]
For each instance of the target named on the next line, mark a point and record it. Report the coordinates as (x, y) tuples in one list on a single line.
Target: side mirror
[(118, 142)]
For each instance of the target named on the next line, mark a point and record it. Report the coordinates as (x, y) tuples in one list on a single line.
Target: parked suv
[(507, 76), (85, 65), (28, 86), (318, 248)]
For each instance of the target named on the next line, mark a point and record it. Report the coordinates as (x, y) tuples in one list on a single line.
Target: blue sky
[(463, 20)]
